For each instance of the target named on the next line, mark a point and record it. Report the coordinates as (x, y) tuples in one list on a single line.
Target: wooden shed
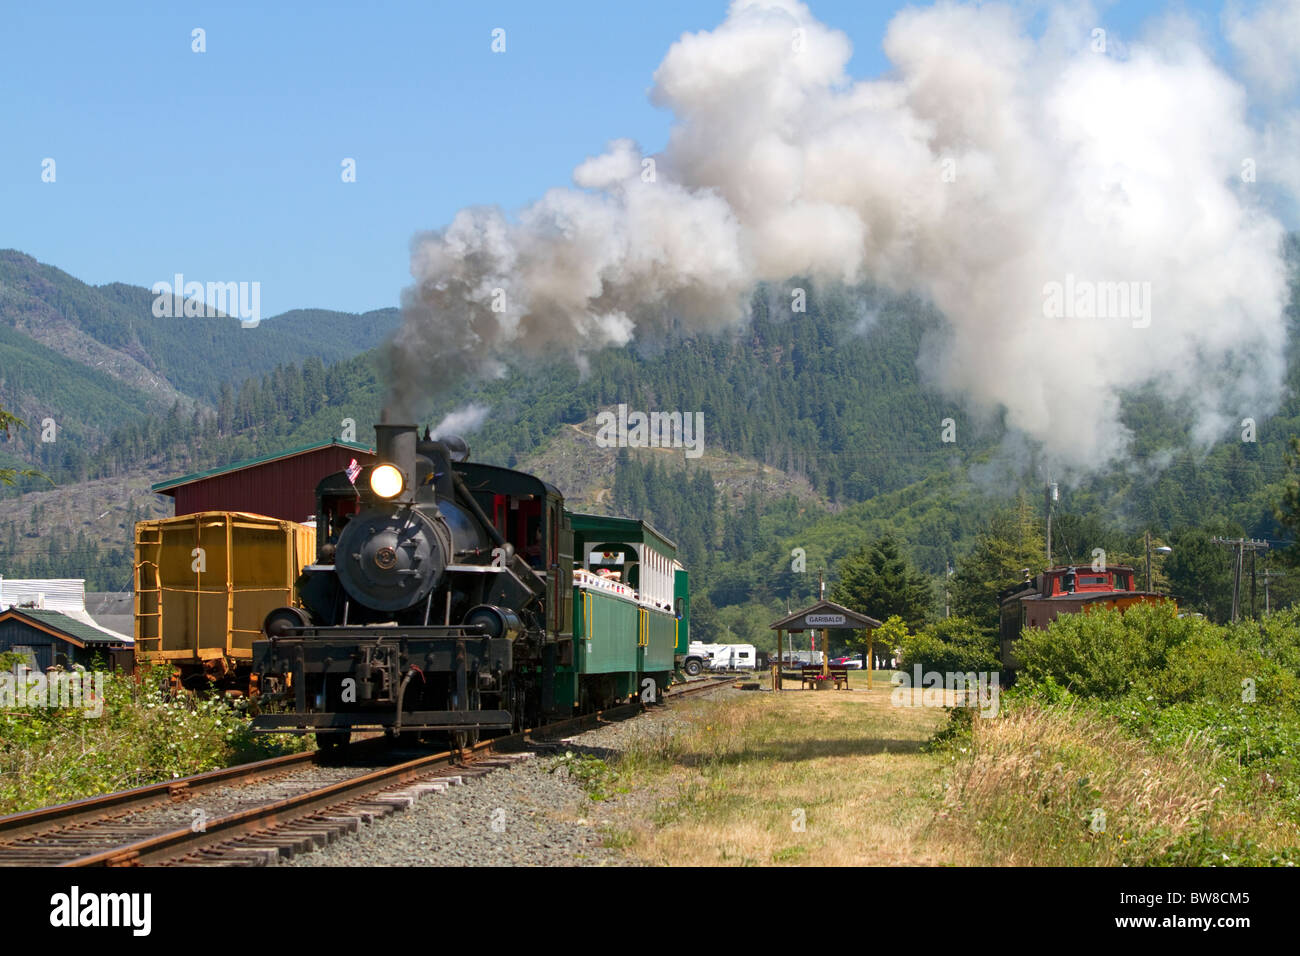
[(47, 638), (282, 485)]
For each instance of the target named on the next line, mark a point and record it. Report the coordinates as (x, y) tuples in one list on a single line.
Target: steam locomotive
[(459, 598)]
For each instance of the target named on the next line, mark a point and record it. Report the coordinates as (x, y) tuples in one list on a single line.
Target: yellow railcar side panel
[(205, 582)]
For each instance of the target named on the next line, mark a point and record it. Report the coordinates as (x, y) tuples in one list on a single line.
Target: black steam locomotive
[(440, 600)]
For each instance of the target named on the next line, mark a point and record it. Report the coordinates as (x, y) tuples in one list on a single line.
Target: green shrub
[(953, 644), (1166, 680), (1208, 667), (594, 775), (1105, 653), (955, 733), (1149, 650), (143, 735)]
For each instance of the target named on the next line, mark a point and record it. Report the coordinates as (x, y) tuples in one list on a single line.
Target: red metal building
[(279, 486)]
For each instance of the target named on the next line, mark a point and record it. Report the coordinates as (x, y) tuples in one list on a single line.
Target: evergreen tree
[(1011, 542), (880, 581), (1288, 509), (9, 476), (313, 383), (704, 618), (226, 410)]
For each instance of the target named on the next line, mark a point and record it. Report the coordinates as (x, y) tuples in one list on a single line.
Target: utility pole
[(812, 632), (1236, 584), (1147, 538), (1239, 547), (826, 649), (1052, 495), (946, 579), (1252, 584)]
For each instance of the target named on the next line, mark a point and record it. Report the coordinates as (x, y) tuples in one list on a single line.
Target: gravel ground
[(510, 817), (222, 801), (524, 815)]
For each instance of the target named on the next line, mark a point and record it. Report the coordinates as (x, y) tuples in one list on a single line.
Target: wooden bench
[(812, 672)]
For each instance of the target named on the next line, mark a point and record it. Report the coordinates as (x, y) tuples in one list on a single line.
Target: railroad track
[(168, 822)]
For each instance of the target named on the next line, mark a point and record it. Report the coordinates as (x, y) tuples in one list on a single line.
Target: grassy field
[(846, 778), (821, 777)]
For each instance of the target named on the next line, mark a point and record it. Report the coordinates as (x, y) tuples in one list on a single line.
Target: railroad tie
[(292, 837)]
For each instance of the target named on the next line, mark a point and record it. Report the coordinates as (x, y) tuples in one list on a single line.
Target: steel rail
[(177, 842), (17, 825), (107, 808)]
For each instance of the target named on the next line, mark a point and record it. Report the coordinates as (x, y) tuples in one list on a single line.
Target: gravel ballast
[(510, 817), (527, 814)]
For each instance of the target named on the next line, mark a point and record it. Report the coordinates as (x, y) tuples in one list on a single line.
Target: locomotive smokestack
[(395, 445)]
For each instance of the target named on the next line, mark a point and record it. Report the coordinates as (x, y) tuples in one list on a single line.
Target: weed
[(594, 775)]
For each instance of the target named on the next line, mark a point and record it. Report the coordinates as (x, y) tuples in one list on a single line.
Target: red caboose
[(1064, 589)]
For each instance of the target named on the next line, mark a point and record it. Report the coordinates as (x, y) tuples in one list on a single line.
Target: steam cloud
[(463, 421), (988, 165)]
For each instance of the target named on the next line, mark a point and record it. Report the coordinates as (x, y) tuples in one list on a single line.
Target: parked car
[(853, 662)]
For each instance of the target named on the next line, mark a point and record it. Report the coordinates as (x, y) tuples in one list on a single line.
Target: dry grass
[(725, 781), (732, 780), (1056, 786)]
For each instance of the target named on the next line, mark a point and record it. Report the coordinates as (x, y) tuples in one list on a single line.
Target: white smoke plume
[(991, 166), (462, 421)]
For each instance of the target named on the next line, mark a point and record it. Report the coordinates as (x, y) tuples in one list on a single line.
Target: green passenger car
[(628, 590)]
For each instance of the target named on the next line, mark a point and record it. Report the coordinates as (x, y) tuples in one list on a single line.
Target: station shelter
[(822, 616)]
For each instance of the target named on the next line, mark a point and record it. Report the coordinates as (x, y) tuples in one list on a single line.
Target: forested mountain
[(95, 359), (833, 396)]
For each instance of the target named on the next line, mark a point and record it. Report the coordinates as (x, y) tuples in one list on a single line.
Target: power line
[(1240, 546)]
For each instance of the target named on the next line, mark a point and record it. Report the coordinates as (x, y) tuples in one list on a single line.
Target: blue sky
[(226, 165)]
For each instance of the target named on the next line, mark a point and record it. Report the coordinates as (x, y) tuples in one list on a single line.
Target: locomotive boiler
[(440, 600)]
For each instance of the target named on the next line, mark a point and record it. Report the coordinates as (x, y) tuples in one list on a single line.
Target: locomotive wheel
[(475, 703), (516, 703), (465, 739)]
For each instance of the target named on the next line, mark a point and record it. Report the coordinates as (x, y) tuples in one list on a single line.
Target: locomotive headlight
[(386, 481)]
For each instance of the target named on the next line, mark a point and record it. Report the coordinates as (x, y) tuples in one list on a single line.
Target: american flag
[(353, 470)]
